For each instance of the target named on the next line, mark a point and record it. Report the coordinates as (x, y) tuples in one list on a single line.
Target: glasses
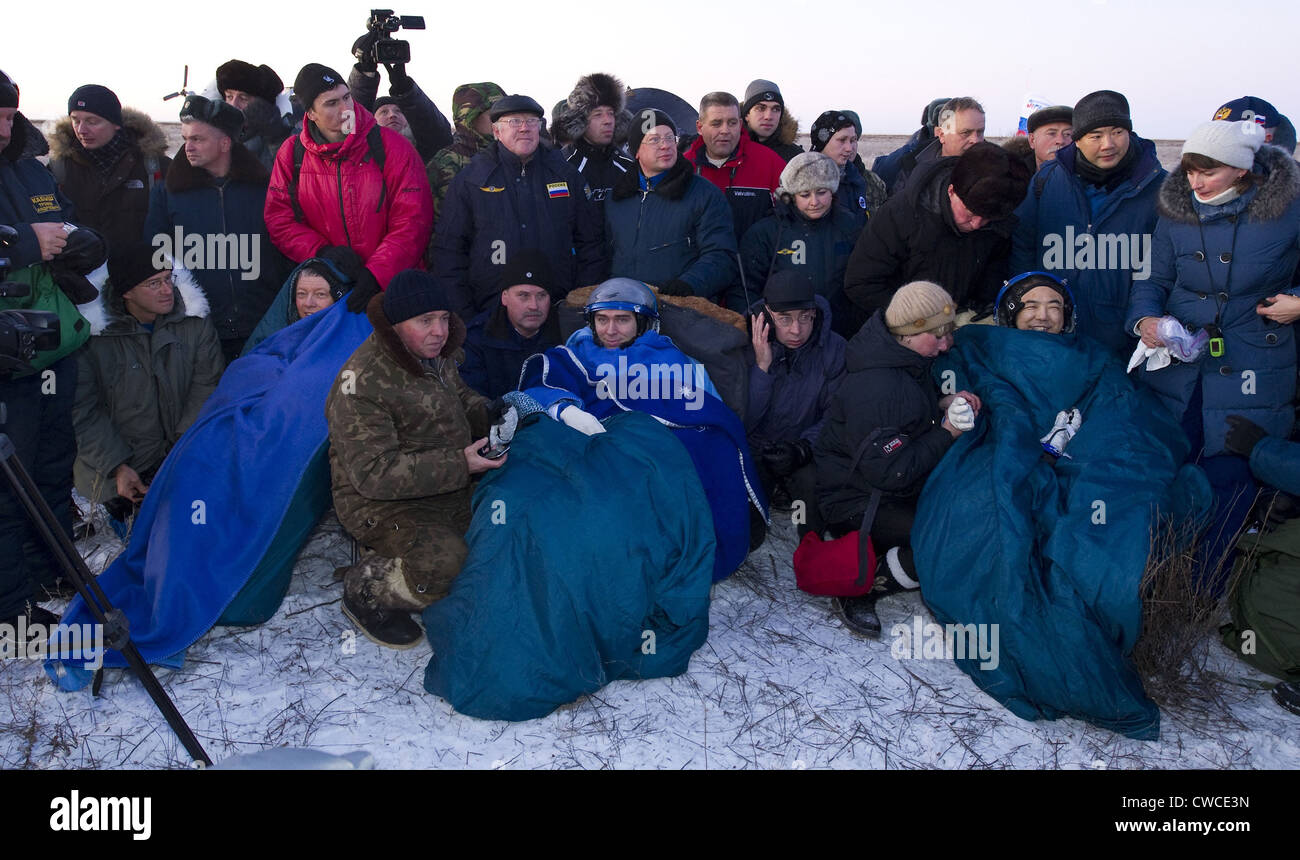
[(802, 318), (655, 141), (521, 121), (157, 283)]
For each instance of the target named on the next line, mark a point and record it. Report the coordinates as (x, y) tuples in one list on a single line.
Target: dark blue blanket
[(653, 376), (589, 561), (236, 497), (1053, 552)]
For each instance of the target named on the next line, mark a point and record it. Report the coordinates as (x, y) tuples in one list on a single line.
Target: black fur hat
[(989, 181), (593, 91), (261, 81)]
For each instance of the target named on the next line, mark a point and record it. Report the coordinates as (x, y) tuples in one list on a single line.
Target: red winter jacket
[(386, 218), (749, 179)]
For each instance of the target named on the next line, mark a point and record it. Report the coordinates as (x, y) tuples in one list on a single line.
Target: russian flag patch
[(557, 189)]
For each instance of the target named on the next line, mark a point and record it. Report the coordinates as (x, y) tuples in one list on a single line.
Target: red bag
[(835, 568)]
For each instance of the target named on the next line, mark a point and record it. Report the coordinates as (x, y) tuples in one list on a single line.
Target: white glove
[(1156, 357), (1067, 424), (501, 434), (582, 421), (961, 414)]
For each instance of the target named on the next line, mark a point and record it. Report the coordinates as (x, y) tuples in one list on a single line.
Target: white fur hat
[(807, 172)]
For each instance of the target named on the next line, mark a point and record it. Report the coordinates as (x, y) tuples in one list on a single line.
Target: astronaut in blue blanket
[(620, 362)]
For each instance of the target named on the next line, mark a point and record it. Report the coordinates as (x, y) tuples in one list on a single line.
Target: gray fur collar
[(1270, 201), (108, 310)]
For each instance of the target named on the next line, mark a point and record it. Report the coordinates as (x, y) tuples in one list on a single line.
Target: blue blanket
[(589, 561), (653, 376), (234, 500), (1053, 552)]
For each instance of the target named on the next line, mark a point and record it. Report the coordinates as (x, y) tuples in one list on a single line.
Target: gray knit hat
[(760, 91), (809, 171), (918, 307), (1230, 143)]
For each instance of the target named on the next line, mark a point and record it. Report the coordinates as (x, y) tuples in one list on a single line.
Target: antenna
[(185, 82)]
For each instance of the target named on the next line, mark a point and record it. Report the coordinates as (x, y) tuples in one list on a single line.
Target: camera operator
[(406, 109), (35, 408)]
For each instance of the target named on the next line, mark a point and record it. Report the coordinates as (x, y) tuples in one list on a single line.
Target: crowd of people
[(463, 240)]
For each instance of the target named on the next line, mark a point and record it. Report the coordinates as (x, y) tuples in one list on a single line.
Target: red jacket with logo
[(749, 179), (385, 216)]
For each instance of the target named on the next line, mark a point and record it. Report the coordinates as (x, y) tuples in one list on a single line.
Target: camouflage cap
[(471, 100)]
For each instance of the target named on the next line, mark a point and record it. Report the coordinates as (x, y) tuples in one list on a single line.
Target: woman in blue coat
[(1225, 248)]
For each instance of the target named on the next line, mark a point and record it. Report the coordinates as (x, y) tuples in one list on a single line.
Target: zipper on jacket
[(338, 170), (234, 293)]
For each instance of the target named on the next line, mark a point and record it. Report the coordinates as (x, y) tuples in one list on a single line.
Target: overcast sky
[(1176, 61)]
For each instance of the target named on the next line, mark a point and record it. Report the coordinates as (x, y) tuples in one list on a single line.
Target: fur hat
[(919, 307), (260, 81), (1230, 143), (653, 117), (592, 91), (412, 293), (96, 99), (1043, 116), (809, 171), (314, 79), (223, 117), (1101, 109), (760, 91), (989, 181)]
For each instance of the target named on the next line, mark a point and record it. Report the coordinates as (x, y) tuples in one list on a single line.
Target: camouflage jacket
[(467, 104), (398, 429)]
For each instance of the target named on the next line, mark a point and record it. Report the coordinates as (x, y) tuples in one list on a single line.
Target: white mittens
[(581, 421), (961, 414)]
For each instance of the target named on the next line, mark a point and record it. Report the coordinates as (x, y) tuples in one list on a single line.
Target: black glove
[(399, 83), (364, 50), (785, 458), (981, 310), (1243, 435), (677, 287), (78, 290), (363, 290), (495, 409), (346, 260)]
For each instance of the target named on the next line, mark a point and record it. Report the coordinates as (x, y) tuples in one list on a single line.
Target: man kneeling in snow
[(406, 437), (151, 362)]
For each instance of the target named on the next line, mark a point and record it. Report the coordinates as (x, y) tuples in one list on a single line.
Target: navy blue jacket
[(28, 193), (428, 126), (495, 352), (681, 230), (888, 167), (789, 400), (497, 205), (770, 247), (192, 201), (1059, 201), (1259, 235)]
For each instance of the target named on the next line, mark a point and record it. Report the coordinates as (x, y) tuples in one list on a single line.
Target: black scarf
[(105, 157), (1111, 177)]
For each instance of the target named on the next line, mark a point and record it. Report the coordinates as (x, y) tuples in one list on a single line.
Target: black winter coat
[(495, 352), (887, 388), (912, 238), (428, 125), (496, 206), (601, 166), (770, 247)]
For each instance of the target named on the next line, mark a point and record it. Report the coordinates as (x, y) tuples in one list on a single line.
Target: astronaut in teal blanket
[(1052, 549)]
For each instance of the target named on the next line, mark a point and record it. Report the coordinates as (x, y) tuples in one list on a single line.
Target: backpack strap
[(153, 171), (299, 152), (375, 145), (869, 515)]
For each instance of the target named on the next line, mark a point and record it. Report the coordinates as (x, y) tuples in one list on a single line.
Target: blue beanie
[(101, 101)]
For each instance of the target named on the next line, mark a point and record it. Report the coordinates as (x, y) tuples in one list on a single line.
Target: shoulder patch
[(557, 189)]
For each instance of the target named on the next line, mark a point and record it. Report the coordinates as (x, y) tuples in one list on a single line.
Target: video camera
[(22, 333), (388, 51)]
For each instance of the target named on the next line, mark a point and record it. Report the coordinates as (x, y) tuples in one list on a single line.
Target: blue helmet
[(624, 294), (1011, 298)]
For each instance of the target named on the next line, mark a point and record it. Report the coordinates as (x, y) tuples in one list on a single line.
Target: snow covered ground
[(779, 684)]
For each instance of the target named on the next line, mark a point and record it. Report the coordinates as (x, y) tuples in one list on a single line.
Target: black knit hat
[(314, 79), (96, 99), (223, 117), (788, 290), (411, 293), (528, 266), (383, 101), (1101, 109), (989, 180), (260, 81), (515, 104), (1043, 116), (829, 124), (132, 264), (8, 92), (760, 91), (652, 117)]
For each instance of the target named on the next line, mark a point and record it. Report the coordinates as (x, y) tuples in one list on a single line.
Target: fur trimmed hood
[(150, 138), (1280, 189), (591, 91), (391, 343), (786, 131), (244, 167), (108, 311)]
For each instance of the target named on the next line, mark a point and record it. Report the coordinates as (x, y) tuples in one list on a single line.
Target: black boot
[(392, 628), (859, 614), (1287, 694)]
